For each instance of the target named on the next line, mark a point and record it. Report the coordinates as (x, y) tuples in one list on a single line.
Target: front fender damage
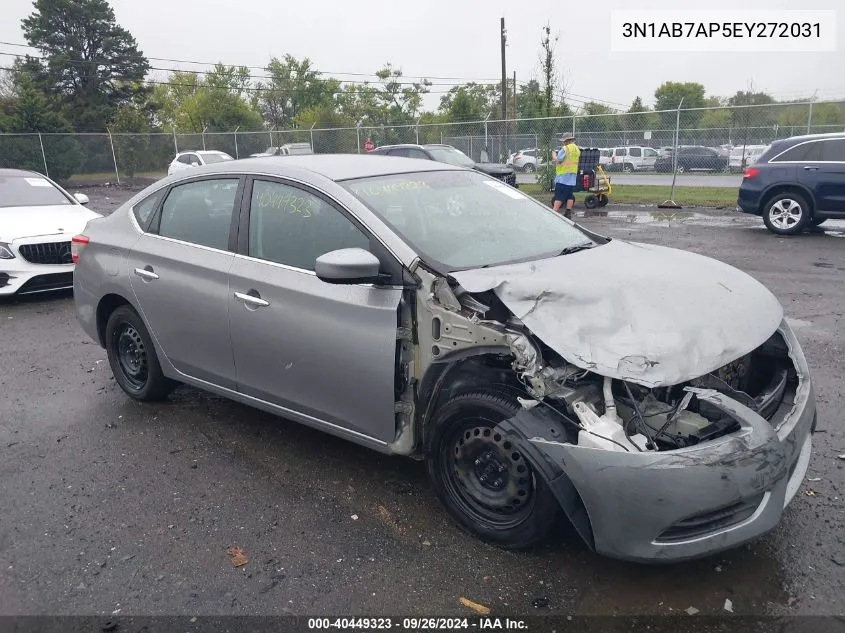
[(624, 504)]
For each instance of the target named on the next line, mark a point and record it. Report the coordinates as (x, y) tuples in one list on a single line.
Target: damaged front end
[(644, 471)]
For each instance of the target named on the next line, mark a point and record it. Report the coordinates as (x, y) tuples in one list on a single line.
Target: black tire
[(817, 221), (516, 510), (603, 199), (628, 168), (786, 213), (133, 358), (529, 168), (680, 169), (591, 201)]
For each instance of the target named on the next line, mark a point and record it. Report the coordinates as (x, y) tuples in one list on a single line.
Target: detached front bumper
[(681, 504)]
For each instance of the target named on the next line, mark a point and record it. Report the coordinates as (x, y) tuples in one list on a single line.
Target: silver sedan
[(656, 397)]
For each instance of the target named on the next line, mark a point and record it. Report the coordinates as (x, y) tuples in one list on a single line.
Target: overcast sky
[(460, 38)]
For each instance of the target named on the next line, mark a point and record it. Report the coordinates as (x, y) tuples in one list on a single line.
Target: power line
[(264, 68)]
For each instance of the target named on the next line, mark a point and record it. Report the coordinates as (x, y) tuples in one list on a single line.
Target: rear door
[(827, 175), (179, 272), (324, 350), (649, 158), (635, 157)]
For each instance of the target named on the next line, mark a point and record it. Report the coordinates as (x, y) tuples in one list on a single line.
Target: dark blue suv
[(797, 182)]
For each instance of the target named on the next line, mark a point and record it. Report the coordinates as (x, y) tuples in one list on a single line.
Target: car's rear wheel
[(786, 214), (681, 169), (133, 358), (482, 479), (627, 168), (529, 167)]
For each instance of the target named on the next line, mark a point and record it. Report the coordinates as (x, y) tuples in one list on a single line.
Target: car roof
[(814, 137), (332, 166), (20, 173)]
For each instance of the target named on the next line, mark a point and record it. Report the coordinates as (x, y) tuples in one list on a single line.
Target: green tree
[(745, 115), (219, 102), (30, 111), (668, 96), (87, 58), (639, 118), (293, 88), (131, 129), (470, 102)]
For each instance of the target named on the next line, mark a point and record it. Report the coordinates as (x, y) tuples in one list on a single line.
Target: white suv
[(633, 158)]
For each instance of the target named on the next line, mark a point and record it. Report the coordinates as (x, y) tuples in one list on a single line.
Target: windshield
[(29, 191), (215, 158), (451, 155), (463, 220)]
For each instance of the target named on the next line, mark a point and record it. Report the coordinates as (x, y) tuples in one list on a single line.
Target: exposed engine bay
[(610, 413)]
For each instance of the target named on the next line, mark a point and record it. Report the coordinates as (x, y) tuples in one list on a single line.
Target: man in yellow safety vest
[(566, 170)]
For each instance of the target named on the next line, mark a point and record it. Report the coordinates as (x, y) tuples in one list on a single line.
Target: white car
[(526, 159), (633, 158), (189, 160), (38, 220), (740, 157)]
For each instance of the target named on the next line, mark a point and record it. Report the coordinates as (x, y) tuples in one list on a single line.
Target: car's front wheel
[(786, 214), (482, 479), (133, 358), (529, 167)]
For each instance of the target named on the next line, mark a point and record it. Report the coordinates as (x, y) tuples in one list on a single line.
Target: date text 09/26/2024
[(417, 624)]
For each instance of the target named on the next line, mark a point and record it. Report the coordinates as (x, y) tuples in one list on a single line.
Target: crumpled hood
[(649, 314), (21, 222)]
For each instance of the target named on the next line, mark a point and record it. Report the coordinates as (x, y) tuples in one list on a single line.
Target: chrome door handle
[(146, 274), (257, 302), (810, 168)]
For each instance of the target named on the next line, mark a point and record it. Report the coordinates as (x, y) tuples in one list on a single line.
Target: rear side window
[(802, 153), (834, 150), (620, 151), (144, 210), (636, 152), (200, 212)]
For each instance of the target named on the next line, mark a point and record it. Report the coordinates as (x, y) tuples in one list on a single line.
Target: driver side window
[(291, 226)]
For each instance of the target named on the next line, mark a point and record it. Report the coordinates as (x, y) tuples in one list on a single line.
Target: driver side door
[(324, 351)]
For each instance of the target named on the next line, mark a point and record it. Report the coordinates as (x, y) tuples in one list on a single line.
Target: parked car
[(450, 155), (290, 149), (742, 157), (605, 156), (189, 160), (37, 221), (796, 183), (693, 157), (633, 158), (426, 310), (527, 160)]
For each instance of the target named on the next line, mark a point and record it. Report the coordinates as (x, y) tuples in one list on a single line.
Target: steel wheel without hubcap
[(132, 356), (489, 479), (482, 479)]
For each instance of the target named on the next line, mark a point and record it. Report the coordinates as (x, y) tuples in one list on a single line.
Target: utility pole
[(504, 74), (514, 95), (504, 149)]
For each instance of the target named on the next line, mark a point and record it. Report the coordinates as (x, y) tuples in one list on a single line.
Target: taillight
[(77, 245), (750, 172)]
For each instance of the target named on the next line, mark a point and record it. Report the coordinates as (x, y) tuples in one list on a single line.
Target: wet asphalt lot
[(110, 506)]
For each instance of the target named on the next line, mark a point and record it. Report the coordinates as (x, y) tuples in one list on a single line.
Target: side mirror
[(348, 266), (81, 198)]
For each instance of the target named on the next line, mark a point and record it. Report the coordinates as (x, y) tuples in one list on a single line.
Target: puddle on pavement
[(798, 323), (669, 218)]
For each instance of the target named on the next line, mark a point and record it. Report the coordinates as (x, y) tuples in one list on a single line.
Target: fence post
[(236, 141), (418, 129), (311, 131), (358, 131), (810, 118), (675, 150), (113, 156), (203, 137), (441, 137), (175, 143), (43, 155)]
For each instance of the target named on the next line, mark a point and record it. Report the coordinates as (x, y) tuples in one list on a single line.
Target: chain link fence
[(121, 156)]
